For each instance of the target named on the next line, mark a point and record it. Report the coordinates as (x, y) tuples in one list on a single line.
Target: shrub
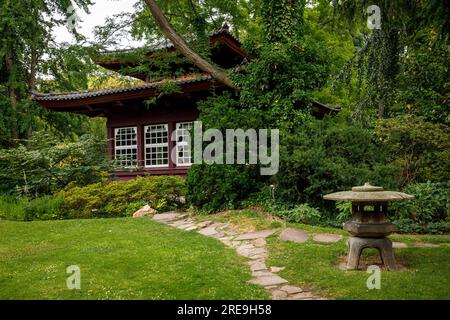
[(115, 199), (431, 204), (49, 165), (329, 155), (302, 213), (419, 149), (45, 208), (213, 188), (22, 208), (12, 208)]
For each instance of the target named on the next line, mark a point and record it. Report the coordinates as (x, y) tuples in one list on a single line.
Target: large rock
[(144, 212), (295, 235)]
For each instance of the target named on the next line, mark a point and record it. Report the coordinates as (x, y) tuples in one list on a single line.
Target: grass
[(315, 266), (121, 258), (248, 220)]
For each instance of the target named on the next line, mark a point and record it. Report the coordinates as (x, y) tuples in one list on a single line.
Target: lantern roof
[(368, 193)]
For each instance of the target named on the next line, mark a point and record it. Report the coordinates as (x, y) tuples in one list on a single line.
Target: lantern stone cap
[(368, 193)]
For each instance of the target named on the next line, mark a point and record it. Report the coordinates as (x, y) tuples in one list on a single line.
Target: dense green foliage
[(49, 165), (392, 85), (97, 200), (113, 198)]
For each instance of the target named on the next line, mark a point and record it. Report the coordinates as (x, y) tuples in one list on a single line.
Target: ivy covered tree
[(27, 50)]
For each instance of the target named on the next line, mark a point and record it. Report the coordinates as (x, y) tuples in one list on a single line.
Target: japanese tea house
[(139, 135)]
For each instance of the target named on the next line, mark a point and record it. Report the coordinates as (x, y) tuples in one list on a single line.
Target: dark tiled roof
[(88, 94)]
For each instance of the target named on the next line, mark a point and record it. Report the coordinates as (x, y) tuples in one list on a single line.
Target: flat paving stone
[(276, 269), (257, 265), (209, 231), (295, 235), (399, 245), (268, 281), (168, 216), (291, 289), (327, 237), (262, 273), (426, 245), (279, 295), (260, 242), (256, 235), (204, 224), (301, 296)]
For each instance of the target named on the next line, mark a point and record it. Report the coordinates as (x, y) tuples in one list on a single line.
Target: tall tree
[(25, 38)]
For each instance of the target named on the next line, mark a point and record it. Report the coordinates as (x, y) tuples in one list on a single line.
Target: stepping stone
[(259, 256), (257, 265), (248, 252), (209, 231), (187, 225), (204, 224), (260, 242), (268, 281), (291, 289), (262, 274), (327, 237), (296, 235), (194, 227), (276, 269), (426, 245), (399, 245), (256, 235), (168, 216), (301, 296), (279, 295)]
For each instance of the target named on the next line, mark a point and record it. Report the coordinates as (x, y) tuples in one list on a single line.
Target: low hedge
[(118, 198)]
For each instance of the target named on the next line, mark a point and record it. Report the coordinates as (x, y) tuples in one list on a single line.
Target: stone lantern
[(369, 226)]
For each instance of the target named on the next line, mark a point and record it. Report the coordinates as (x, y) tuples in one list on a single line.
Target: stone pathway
[(251, 245)]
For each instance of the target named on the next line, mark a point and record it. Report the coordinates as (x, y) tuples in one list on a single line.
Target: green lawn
[(119, 259), (315, 266)]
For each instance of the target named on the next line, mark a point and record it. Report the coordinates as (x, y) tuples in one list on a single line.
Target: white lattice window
[(156, 145), (125, 146), (183, 146)]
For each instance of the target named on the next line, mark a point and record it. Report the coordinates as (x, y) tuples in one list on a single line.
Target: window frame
[(126, 147), (161, 144), (183, 144)]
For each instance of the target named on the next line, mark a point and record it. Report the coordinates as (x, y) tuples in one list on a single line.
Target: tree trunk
[(12, 98), (381, 108), (182, 46)]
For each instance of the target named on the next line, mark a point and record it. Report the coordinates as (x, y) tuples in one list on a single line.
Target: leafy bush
[(419, 149), (12, 208), (22, 208), (133, 207), (212, 188), (345, 210), (431, 204), (324, 156), (302, 213), (49, 165), (45, 208), (117, 198)]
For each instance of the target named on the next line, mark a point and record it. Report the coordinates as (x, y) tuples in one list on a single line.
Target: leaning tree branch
[(182, 46)]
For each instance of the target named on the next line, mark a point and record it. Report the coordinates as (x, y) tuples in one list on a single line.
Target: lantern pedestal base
[(357, 245)]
